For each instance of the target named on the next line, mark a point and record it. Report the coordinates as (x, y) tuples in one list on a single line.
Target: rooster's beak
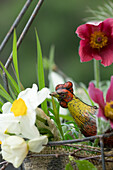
[(54, 94)]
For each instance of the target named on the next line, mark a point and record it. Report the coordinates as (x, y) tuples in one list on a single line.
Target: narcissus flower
[(23, 111), (14, 150), (96, 41), (105, 107)]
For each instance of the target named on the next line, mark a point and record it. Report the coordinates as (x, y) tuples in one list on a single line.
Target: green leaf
[(12, 92), (56, 114), (85, 165), (66, 117), (69, 166), (15, 62), (51, 57), (1, 104), (10, 78), (68, 136), (1, 72), (51, 110), (41, 81), (4, 94)]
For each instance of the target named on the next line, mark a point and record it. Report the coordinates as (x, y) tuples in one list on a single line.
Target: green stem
[(97, 79), (96, 72), (56, 114)]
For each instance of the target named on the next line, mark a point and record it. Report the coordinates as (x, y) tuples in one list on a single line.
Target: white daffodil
[(14, 150), (23, 110), (36, 145)]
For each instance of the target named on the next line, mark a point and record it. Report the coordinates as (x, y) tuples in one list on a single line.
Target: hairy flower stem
[(96, 72), (97, 79)]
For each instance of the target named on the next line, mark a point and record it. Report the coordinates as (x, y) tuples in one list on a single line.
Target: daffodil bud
[(14, 150)]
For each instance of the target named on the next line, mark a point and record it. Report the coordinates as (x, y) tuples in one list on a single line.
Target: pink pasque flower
[(105, 107), (96, 41)]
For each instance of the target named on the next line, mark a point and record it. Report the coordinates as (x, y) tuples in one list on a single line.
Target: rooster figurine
[(83, 114)]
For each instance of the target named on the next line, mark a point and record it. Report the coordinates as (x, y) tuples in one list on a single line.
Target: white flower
[(14, 150), (8, 123), (54, 80), (23, 112), (36, 145)]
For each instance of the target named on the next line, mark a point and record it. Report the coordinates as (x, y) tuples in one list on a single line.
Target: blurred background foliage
[(56, 23)]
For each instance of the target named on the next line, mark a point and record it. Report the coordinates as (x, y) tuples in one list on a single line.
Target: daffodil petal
[(28, 131), (28, 95), (3, 137), (9, 124), (42, 95), (33, 97), (36, 144), (6, 107)]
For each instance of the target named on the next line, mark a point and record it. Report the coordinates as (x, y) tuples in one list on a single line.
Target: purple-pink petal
[(111, 123), (82, 31), (96, 55), (107, 53), (107, 26), (85, 51), (101, 113), (109, 95), (96, 95)]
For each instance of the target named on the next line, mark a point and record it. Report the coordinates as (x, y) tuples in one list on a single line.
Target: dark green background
[(56, 23)]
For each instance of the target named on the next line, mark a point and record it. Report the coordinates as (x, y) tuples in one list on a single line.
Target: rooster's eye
[(63, 95)]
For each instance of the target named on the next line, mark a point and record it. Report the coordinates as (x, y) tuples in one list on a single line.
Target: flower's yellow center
[(98, 40), (0, 142), (108, 110), (19, 107)]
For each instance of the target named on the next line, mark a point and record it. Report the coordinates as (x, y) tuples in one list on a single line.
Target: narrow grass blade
[(1, 104), (56, 114), (51, 57), (15, 62), (41, 81), (12, 92), (4, 94), (10, 78)]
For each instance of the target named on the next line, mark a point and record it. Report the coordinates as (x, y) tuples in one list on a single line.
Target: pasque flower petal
[(85, 51), (101, 113), (109, 95), (96, 95), (83, 31), (111, 123), (107, 26)]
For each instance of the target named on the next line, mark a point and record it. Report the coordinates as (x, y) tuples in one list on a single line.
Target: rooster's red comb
[(68, 85)]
